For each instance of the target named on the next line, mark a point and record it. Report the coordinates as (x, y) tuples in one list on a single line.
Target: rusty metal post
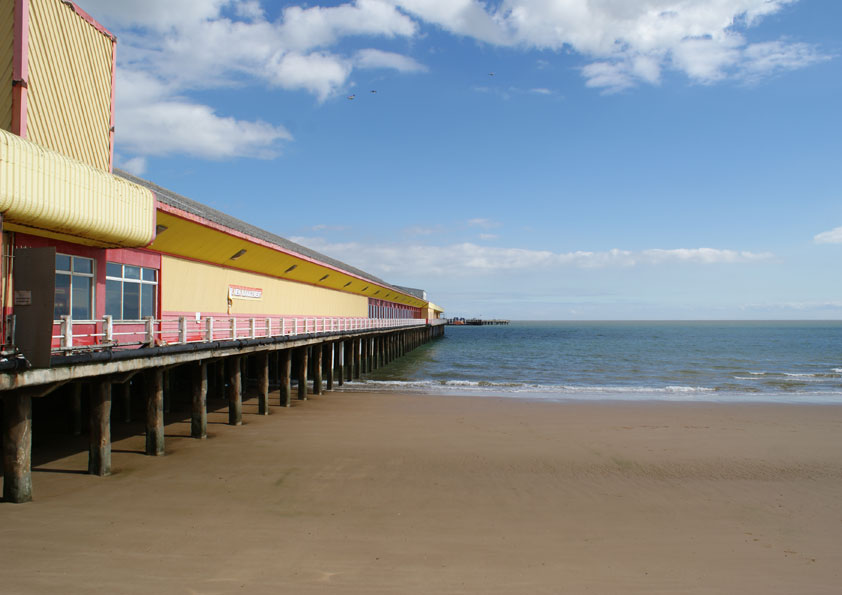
[(17, 448), (99, 453)]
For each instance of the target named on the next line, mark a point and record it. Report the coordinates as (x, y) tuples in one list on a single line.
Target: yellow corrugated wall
[(7, 37), (189, 286), (43, 190), (69, 105)]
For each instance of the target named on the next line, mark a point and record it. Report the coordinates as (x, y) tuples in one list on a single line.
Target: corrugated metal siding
[(45, 190), (69, 105), (7, 38)]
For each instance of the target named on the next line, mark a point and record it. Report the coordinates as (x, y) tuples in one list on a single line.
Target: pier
[(475, 322)]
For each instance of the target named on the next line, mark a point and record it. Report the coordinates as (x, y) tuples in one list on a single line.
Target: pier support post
[(302, 373), (357, 346), (329, 365), (318, 358), (220, 379), (153, 384), (348, 361), (285, 371), (199, 417), (263, 383), (17, 448), (235, 390), (99, 453), (339, 349)]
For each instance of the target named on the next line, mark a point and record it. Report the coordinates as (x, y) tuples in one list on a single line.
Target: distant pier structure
[(475, 321)]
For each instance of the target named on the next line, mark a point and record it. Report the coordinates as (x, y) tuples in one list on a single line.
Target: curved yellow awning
[(45, 193)]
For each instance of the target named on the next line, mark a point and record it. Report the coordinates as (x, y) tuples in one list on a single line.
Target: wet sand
[(384, 493)]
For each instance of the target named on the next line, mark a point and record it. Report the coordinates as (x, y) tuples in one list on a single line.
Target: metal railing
[(180, 330)]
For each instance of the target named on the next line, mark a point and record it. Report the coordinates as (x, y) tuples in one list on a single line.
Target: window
[(130, 291), (74, 287)]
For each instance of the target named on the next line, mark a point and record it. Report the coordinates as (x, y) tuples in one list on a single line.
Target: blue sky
[(527, 159)]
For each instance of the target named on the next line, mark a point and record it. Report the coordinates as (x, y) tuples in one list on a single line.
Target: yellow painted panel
[(188, 286), (7, 37), (41, 189), (69, 93), (192, 239)]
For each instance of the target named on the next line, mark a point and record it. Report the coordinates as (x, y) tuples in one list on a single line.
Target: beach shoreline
[(405, 493)]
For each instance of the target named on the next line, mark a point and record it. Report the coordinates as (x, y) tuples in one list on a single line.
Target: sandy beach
[(387, 493)]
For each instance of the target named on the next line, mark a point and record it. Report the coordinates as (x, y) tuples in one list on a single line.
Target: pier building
[(113, 285)]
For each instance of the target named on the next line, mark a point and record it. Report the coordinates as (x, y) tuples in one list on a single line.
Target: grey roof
[(196, 208), (419, 293)]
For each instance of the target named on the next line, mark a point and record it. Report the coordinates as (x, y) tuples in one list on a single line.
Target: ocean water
[(784, 361)]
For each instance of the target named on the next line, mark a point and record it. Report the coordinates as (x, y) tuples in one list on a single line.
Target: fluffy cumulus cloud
[(214, 43), (834, 236), (468, 258)]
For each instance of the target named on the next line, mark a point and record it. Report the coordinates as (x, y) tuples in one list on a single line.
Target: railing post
[(66, 331), (252, 328), (233, 328), (268, 327), (209, 328), (295, 328), (109, 328), (283, 326), (150, 330), (182, 329)]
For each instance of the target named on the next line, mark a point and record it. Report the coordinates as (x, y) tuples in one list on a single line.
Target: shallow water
[(786, 361)]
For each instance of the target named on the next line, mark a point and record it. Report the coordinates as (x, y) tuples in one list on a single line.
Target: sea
[(754, 361)]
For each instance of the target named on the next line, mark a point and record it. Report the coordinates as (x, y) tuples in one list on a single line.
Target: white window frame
[(71, 273)]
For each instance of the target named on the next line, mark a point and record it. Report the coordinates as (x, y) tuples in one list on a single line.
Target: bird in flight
[(490, 74), (351, 96)]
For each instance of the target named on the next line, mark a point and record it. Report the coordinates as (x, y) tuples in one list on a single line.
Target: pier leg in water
[(153, 384), (339, 350), (285, 370), (263, 383), (99, 453), (199, 385), (318, 351), (17, 448), (302, 373), (235, 390)]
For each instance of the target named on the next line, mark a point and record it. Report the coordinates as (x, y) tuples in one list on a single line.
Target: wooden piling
[(329, 367), (199, 409), (153, 385), (99, 452), (263, 383), (17, 448), (302, 373), (318, 358), (235, 390), (284, 376)]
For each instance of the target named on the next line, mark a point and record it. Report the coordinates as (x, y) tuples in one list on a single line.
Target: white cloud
[(488, 236), (372, 58), (467, 258), (834, 236), (483, 223), (154, 121), (135, 165)]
